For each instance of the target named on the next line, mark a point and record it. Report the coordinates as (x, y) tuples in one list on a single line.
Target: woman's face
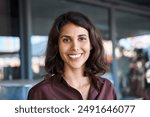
[(74, 46)]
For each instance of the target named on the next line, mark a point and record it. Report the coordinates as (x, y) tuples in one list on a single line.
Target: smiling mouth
[(74, 55)]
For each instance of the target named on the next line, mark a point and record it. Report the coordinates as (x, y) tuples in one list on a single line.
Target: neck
[(75, 77)]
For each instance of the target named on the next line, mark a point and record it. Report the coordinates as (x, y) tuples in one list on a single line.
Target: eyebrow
[(81, 35), (64, 36)]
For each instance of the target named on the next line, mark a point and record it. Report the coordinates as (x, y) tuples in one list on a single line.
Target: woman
[(74, 61)]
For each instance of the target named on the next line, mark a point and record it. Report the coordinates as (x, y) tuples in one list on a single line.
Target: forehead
[(71, 28)]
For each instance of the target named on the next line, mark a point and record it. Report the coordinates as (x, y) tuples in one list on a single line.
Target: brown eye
[(66, 40), (82, 38)]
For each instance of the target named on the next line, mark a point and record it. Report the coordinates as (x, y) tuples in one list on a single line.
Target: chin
[(77, 66)]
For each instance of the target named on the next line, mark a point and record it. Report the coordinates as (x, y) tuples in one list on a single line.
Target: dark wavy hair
[(96, 62)]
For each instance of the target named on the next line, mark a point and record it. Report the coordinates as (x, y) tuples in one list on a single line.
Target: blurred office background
[(124, 24)]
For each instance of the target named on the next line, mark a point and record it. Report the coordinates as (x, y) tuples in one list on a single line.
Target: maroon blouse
[(56, 88)]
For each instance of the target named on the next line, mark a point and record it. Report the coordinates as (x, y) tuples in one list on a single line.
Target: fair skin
[(74, 49)]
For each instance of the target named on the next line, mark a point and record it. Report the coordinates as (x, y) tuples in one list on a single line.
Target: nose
[(75, 46)]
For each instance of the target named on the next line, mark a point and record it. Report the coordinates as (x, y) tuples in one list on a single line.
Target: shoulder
[(41, 84), (104, 81), (106, 89), (41, 88), (47, 81)]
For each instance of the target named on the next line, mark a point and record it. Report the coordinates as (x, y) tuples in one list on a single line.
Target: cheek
[(62, 55), (88, 47), (62, 51)]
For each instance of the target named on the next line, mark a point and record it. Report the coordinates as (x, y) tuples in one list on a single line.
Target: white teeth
[(74, 55)]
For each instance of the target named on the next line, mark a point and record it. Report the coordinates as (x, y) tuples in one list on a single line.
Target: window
[(132, 52), (9, 40)]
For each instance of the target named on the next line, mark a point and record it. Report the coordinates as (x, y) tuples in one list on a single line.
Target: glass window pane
[(133, 53), (9, 40), (39, 44)]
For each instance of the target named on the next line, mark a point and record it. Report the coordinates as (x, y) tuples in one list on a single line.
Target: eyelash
[(68, 40), (82, 38)]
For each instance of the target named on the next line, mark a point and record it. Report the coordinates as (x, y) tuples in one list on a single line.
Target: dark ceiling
[(145, 3)]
